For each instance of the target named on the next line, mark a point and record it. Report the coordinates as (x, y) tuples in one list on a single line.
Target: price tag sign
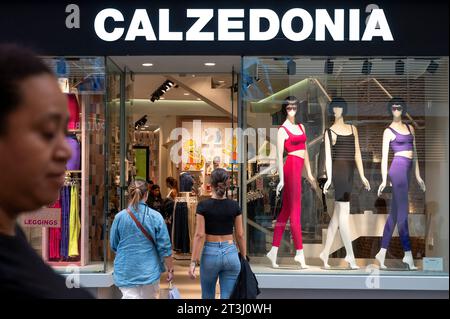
[(433, 264)]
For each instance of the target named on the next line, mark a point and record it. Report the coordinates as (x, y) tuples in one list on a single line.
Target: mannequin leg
[(402, 188), (331, 232), (344, 228), (300, 258), (272, 255)]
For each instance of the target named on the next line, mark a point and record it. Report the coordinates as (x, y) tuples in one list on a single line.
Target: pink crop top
[(294, 142)]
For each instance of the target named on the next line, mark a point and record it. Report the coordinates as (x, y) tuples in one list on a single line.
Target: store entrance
[(177, 122)]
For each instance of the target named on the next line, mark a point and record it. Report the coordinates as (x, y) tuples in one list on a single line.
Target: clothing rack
[(191, 202)]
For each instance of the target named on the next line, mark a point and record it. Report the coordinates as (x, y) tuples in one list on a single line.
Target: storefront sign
[(232, 27), (45, 217)]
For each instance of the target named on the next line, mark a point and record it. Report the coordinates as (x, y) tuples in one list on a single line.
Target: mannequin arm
[(307, 165), (416, 163), (328, 163), (358, 160), (387, 135), (282, 135)]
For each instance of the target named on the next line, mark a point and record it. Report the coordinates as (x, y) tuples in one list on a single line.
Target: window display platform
[(290, 276)]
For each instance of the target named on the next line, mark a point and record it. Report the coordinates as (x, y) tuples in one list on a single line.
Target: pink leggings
[(292, 202)]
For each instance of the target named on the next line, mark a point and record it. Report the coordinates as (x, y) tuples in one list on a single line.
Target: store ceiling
[(179, 64), (145, 84)]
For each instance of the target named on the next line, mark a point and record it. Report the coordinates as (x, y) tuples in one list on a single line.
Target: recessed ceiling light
[(210, 64), (193, 75), (199, 99), (147, 64), (221, 81), (187, 93)]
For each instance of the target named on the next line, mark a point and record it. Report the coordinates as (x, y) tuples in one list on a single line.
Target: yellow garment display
[(74, 222)]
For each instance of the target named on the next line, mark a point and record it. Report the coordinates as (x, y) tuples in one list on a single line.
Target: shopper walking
[(216, 219), (33, 158), (140, 239)]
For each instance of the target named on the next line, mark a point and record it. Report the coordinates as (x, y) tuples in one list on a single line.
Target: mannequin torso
[(295, 130)]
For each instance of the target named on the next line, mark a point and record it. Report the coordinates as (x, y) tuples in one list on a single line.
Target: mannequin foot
[(300, 258), (351, 262), (272, 255), (380, 257), (324, 258), (409, 260)]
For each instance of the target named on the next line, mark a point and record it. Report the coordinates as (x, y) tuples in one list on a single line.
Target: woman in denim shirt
[(139, 262), (217, 219)]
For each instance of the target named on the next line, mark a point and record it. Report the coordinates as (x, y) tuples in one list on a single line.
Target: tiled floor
[(189, 289)]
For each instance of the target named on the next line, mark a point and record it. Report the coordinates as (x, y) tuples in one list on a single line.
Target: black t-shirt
[(219, 215), (23, 273)]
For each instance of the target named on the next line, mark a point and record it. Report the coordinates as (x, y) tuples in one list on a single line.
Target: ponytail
[(137, 191), (219, 179)]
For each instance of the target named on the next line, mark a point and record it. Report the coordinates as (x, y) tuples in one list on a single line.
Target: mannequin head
[(337, 107), (290, 107), (396, 107)]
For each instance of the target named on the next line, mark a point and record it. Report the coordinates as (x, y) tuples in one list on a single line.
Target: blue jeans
[(219, 260)]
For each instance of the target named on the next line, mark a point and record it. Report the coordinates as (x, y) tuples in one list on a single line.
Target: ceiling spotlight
[(141, 122), (291, 67), (147, 64), (432, 67), (366, 67), (186, 94), (399, 67), (166, 86), (221, 81), (210, 64), (329, 64)]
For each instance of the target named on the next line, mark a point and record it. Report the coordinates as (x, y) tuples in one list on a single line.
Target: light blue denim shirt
[(137, 261)]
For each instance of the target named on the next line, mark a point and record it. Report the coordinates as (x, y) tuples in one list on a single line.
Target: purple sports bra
[(402, 142)]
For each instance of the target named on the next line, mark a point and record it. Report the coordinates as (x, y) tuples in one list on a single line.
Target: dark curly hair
[(16, 65), (337, 102)]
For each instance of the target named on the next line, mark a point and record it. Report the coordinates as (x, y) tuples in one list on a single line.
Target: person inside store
[(172, 185), (155, 200), (218, 218), (142, 245), (34, 153), (150, 184)]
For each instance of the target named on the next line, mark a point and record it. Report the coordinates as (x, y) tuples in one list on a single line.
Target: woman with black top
[(216, 218)]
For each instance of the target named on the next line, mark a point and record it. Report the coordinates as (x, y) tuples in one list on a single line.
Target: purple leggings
[(399, 174)]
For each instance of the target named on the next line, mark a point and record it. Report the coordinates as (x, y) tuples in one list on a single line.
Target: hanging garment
[(74, 163), (186, 182), (54, 237), (74, 110), (181, 241), (74, 222), (192, 208), (65, 205)]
